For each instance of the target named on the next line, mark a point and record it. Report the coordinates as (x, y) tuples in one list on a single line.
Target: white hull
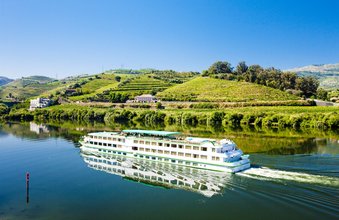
[(232, 167)]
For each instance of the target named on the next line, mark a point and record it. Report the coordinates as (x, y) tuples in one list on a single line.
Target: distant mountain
[(4, 80), (27, 87), (328, 74)]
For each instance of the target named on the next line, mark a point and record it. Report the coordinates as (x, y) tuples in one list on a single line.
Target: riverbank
[(292, 117)]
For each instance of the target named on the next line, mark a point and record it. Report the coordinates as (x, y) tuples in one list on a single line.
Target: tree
[(241, 68), (252, 73), (288, 80), (220, 67), (322, 94), (117, 78), (308, 85)]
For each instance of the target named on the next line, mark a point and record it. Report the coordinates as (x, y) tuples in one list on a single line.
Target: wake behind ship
[(168, 147)]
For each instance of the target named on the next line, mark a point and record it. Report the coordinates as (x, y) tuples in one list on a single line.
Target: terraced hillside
[(211, 89), (97, 84), (141, 85)]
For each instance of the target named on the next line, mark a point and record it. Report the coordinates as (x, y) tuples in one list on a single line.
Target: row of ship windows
[(174, 153), (188, 155), (105, 144), (108, 138), (180, 146)]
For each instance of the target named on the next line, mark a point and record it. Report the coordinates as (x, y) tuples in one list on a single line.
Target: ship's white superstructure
[(163, 146)]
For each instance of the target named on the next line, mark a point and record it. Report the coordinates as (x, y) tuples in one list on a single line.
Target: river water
[(292, 177)]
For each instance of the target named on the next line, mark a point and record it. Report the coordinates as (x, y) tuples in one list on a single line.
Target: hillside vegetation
[(211, 89), (27, 87), (328, 74)]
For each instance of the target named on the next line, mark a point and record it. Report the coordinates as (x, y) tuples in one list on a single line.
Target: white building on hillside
[(39, 103), (145, 99)]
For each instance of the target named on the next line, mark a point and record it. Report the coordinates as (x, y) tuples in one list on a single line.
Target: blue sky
[(69, 37)]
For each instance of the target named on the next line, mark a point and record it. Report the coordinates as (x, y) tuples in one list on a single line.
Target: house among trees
[(39, 103), (144, 99)]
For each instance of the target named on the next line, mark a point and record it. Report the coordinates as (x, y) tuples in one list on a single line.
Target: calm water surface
[(291, 178)]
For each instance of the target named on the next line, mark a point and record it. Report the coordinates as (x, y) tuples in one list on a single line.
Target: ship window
[(188, 155), (195, 156), (100, 144), (160, 144), (153, 158), (141, 156), (217, 158), (154, 151), (188, 147), (105, 144), (154, 143), (160, 159), (166, 159), (147, 150), (124, 154), (213, 149), (195, 164), (180, 154), (167, 152), (204, 148), (134, 148), (180, 146), (91, 142), (167, 145), (142, 149), (104, 138), (173, 153), (195, 148), (147, 142), (141, 142), (99, 149), (188, 163), (173, 145), (135, 141), (109, 138), (114, 139), (147, 157), (114, 145), (180, 161), (203, 157), (160, 151), (173, 161)]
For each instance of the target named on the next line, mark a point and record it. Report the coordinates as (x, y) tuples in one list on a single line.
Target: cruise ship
[(169, 147), (205, 182)]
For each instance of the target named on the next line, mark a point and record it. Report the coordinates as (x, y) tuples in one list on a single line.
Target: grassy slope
[(141, 85), (96, 86), (28, 87), (210, 89)]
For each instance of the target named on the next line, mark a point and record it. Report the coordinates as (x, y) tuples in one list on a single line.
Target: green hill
[(27, 87), (211, 89)]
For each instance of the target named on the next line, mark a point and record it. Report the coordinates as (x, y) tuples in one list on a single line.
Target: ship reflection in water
[(205, 182)]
